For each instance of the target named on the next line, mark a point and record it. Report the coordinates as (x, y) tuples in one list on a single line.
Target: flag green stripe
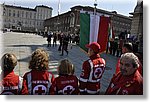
[(84, 30)]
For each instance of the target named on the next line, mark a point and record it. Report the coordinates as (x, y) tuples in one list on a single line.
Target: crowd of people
[(121, 46), (64, 39), (127, 79), (115, 46)]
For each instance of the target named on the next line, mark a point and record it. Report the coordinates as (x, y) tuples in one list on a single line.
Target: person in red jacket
[(92, 71), (66, 83), (127, 47), (10, 83), (128, 81), (38, 81)]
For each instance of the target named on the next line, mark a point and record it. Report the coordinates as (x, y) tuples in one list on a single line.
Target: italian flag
[(93, 28)]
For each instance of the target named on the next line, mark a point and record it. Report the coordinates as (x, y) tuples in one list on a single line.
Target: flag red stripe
[(103, 32)]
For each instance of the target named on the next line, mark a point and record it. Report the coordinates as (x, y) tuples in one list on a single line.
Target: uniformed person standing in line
[(92, 71), (128, 81), (38, 81), (127, 47), (10, 83), (66, 83)]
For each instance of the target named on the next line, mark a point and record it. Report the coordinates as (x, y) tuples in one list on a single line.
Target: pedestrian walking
[(38, 81), (60, 41), (49, 37), (10, 83), (128, 81), (54, 39), (66, 83), (65, 45), (92, 71)]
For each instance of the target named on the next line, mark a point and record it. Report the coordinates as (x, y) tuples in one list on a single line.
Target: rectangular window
[(26, 14), (13, 13), (22, 14), (4, 11), (9, 12), (34, 15), (31, 15), (18, 14)]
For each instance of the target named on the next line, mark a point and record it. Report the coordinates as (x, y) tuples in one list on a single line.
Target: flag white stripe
[(97, 27), (94, 27)]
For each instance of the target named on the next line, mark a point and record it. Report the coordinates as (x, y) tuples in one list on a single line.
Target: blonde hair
[(39, 60), (66, 68), (8, 62)]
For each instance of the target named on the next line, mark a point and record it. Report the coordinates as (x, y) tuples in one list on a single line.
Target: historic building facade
[(137, 24), (25, 19), (70, 21)]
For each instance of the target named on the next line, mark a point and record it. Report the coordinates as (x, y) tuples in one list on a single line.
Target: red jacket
[(92, 71), (11, 84), (37, 82), (126, 85), (65, 85)]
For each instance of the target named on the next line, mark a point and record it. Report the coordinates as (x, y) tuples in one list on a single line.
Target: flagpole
[(58, 7), (95, 4), (58, 15)]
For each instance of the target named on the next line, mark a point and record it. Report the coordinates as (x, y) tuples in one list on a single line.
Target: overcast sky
[(123, 7)]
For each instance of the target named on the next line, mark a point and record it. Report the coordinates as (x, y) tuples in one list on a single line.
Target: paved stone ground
[(23, 44)]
